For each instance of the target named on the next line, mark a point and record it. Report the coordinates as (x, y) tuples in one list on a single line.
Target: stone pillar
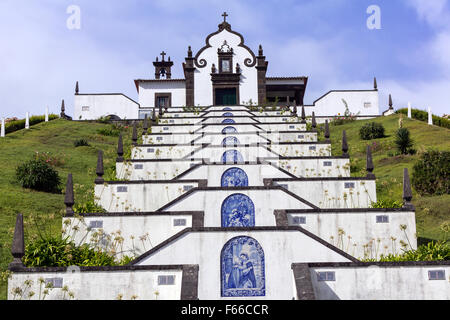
[(3, 128), (46, 114), (409, 110), (369, 163), (261, 66), (189, 69), (27, 121), (18, 244), (69, 199), (407, 191), (430, 117), (327, 131), (120, 149), (344, 144), (99, 171)]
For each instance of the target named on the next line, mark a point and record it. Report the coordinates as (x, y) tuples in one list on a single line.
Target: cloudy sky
[(326, 40)]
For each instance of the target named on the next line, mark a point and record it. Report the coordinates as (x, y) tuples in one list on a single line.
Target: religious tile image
[(234, 177), (242, 268), (238, 210)]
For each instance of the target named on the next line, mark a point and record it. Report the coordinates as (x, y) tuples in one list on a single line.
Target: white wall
[(333, 194), (304, 168), (101, 105), (140, 197), (100, 285), (331, 104), (352, 231), (382, 283), (130, 235), (281, 249), (147, 90)]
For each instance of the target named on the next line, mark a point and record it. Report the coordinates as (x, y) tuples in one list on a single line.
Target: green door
[(226, 97)]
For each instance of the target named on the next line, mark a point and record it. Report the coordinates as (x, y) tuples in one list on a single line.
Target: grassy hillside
[(432, 211), (43, 211)]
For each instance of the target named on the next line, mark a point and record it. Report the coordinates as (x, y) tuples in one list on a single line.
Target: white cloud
[(432, 11)]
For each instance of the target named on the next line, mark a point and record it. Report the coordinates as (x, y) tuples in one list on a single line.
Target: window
[(326, 276), (327, 163), (226, 65), (349, 185), (122, 189), (179, 222), (299, 220), (139, 166), (85, 108), (95, 224), (436, 275), (54, 282), (285, 186), (367, 104), (166, 280), (162, 101), (382, 219)]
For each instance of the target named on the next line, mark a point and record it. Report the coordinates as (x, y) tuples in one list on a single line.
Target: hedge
[(423, 116), (20, 124)]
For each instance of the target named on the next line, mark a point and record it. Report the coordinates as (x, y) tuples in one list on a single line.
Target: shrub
[(88, 207), (53, 160), (371, 130), (80, 142), (387, 204), (403, 140), (423, 116), (431, 173), (433, 251), (113, 131), (56, 252), (38, 175)]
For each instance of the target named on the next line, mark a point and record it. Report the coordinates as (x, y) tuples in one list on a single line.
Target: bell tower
[(163, 67)]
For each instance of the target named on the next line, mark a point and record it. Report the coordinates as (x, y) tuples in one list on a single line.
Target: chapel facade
[(225, 71)]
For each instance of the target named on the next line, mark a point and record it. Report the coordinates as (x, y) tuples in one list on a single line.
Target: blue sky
[(326, 40)]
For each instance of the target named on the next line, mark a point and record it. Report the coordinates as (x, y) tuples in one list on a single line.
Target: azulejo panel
[(232, 156), (230, 141), (228, 121), (238, 210), (227, 109), (229, 129), (234, 177), (227, 114), (242, 268)]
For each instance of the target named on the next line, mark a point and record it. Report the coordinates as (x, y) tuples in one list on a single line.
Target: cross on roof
[(162, 55), (224, 15)]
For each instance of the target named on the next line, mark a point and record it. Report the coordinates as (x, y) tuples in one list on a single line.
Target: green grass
[(431, 211), (43, 211)]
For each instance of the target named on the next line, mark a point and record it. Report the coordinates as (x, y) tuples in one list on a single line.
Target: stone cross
[(430, 117), (162, 55), (3, 128), (224, 15), (27, 121), (46, 114)]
